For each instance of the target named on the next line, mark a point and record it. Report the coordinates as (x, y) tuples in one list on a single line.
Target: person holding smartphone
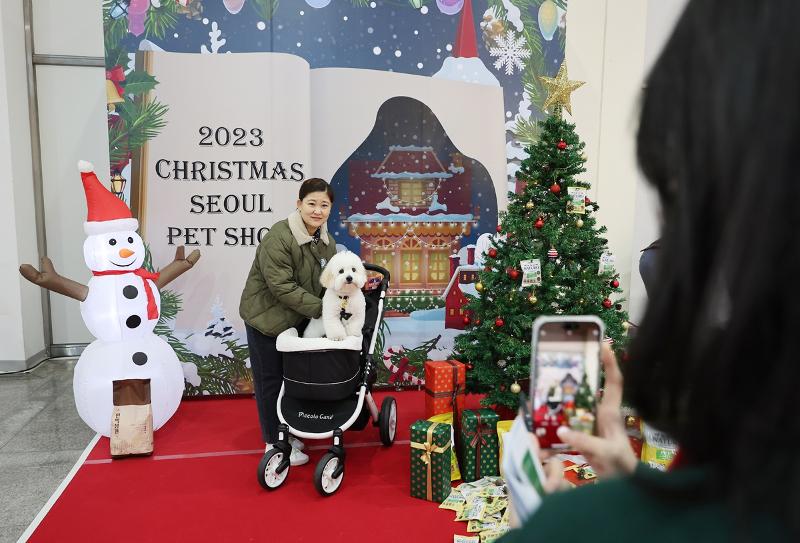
[(718, 136)]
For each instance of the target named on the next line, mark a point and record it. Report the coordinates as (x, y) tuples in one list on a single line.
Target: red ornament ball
[(562, 145), (513, 274), (467, 320), (487, 268), (499, 228), (493, 252), (555, 188), (607, 303), (615, 283), (499, 322), (539, 224), (587, 201), (404, 360)]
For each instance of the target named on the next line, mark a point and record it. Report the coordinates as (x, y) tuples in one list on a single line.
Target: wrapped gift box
[(479, 446), (430, 460), (444, 387), (447, 418)]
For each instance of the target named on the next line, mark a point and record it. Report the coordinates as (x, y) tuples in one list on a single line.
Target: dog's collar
[(344, 315)]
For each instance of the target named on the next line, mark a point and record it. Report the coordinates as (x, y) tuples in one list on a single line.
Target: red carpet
[(200, 485)]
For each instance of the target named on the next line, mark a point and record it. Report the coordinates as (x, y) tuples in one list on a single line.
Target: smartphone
[(565, 376)]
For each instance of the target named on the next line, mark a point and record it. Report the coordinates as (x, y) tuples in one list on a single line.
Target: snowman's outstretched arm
[(177, 267), (48, 278)]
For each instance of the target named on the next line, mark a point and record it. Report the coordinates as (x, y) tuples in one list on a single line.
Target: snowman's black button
[(130, 292), (139, 358), (133, 321)]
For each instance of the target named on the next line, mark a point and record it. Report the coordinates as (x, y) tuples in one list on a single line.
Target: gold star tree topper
[(559, 89)]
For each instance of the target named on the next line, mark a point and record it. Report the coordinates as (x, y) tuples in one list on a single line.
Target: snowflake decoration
[(510, 52)]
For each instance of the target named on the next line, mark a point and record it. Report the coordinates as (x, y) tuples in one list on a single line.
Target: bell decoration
[(112, 96)]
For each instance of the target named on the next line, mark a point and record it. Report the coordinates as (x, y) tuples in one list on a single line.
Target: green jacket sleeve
[(276, 262)]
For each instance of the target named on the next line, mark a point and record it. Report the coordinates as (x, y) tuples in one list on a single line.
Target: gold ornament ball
[(515, 388), (479, 287), (626, 325), (532, 299), (579, 223), (529, 205)]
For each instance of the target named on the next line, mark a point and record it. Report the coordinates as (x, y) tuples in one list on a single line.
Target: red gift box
[(444, 387)]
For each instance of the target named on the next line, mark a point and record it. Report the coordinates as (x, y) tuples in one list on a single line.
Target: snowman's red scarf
[(152, 309)]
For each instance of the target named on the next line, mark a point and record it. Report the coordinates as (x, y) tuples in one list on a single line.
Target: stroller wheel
[(268, 475), (388, 420), (329, 474)]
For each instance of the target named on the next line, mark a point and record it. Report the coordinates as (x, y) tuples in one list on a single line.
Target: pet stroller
[(326, 390)]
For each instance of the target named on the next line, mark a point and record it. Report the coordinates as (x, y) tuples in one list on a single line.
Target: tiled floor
[(41, 438)]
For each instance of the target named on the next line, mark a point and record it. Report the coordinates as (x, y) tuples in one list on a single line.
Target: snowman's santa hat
[(106, 213)]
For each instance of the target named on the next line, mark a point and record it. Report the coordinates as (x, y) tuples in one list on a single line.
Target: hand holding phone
[(565, 375)]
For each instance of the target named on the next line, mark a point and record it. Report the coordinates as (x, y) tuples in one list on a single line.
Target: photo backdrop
[(418, 112)]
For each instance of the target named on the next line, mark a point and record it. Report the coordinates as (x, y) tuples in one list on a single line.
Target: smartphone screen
[(565, 375)]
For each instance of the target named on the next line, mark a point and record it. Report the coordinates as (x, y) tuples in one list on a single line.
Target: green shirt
[(631, 509)]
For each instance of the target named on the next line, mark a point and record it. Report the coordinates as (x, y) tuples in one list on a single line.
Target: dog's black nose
[(349, 278)]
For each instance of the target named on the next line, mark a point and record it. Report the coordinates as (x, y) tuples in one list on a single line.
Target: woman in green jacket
[(281, 292), (714, 363)]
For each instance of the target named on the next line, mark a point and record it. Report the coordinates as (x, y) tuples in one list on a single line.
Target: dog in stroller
[(326, 390)]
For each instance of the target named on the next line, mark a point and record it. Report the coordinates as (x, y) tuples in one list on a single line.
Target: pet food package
[(658, 449), (447, 418), (132, 419)]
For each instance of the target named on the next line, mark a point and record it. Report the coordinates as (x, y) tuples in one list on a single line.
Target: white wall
[(72, 119), (21, 331), (612, 44), (661, 18)]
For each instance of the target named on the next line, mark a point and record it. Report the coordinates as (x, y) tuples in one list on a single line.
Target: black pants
[(267, 365)]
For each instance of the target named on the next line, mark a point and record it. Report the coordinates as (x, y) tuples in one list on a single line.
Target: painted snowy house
[(409, 213), (462, 282)]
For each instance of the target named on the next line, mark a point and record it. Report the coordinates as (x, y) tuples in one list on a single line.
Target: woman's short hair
[(315, 184)]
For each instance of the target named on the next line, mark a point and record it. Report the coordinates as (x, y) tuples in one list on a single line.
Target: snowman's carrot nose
[(125, 253)]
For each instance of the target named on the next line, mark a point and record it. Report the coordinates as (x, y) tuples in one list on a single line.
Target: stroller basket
[(321, 375)]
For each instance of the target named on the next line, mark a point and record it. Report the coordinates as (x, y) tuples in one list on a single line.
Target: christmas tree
[(544, 260)]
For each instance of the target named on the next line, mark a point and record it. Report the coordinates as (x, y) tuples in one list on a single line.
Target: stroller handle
[(383, 271)]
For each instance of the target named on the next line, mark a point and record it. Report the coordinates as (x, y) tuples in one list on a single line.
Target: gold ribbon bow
[(429, 449)]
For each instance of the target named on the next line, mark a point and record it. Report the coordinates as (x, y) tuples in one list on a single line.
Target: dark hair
[(715, 362), (315, 184)]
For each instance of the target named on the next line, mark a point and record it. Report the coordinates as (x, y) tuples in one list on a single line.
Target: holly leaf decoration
[(138, 83)]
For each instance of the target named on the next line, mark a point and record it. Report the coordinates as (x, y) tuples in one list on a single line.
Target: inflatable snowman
[(120, 307)]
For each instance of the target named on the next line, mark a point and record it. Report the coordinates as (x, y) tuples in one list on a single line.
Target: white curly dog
[(343, 302)]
